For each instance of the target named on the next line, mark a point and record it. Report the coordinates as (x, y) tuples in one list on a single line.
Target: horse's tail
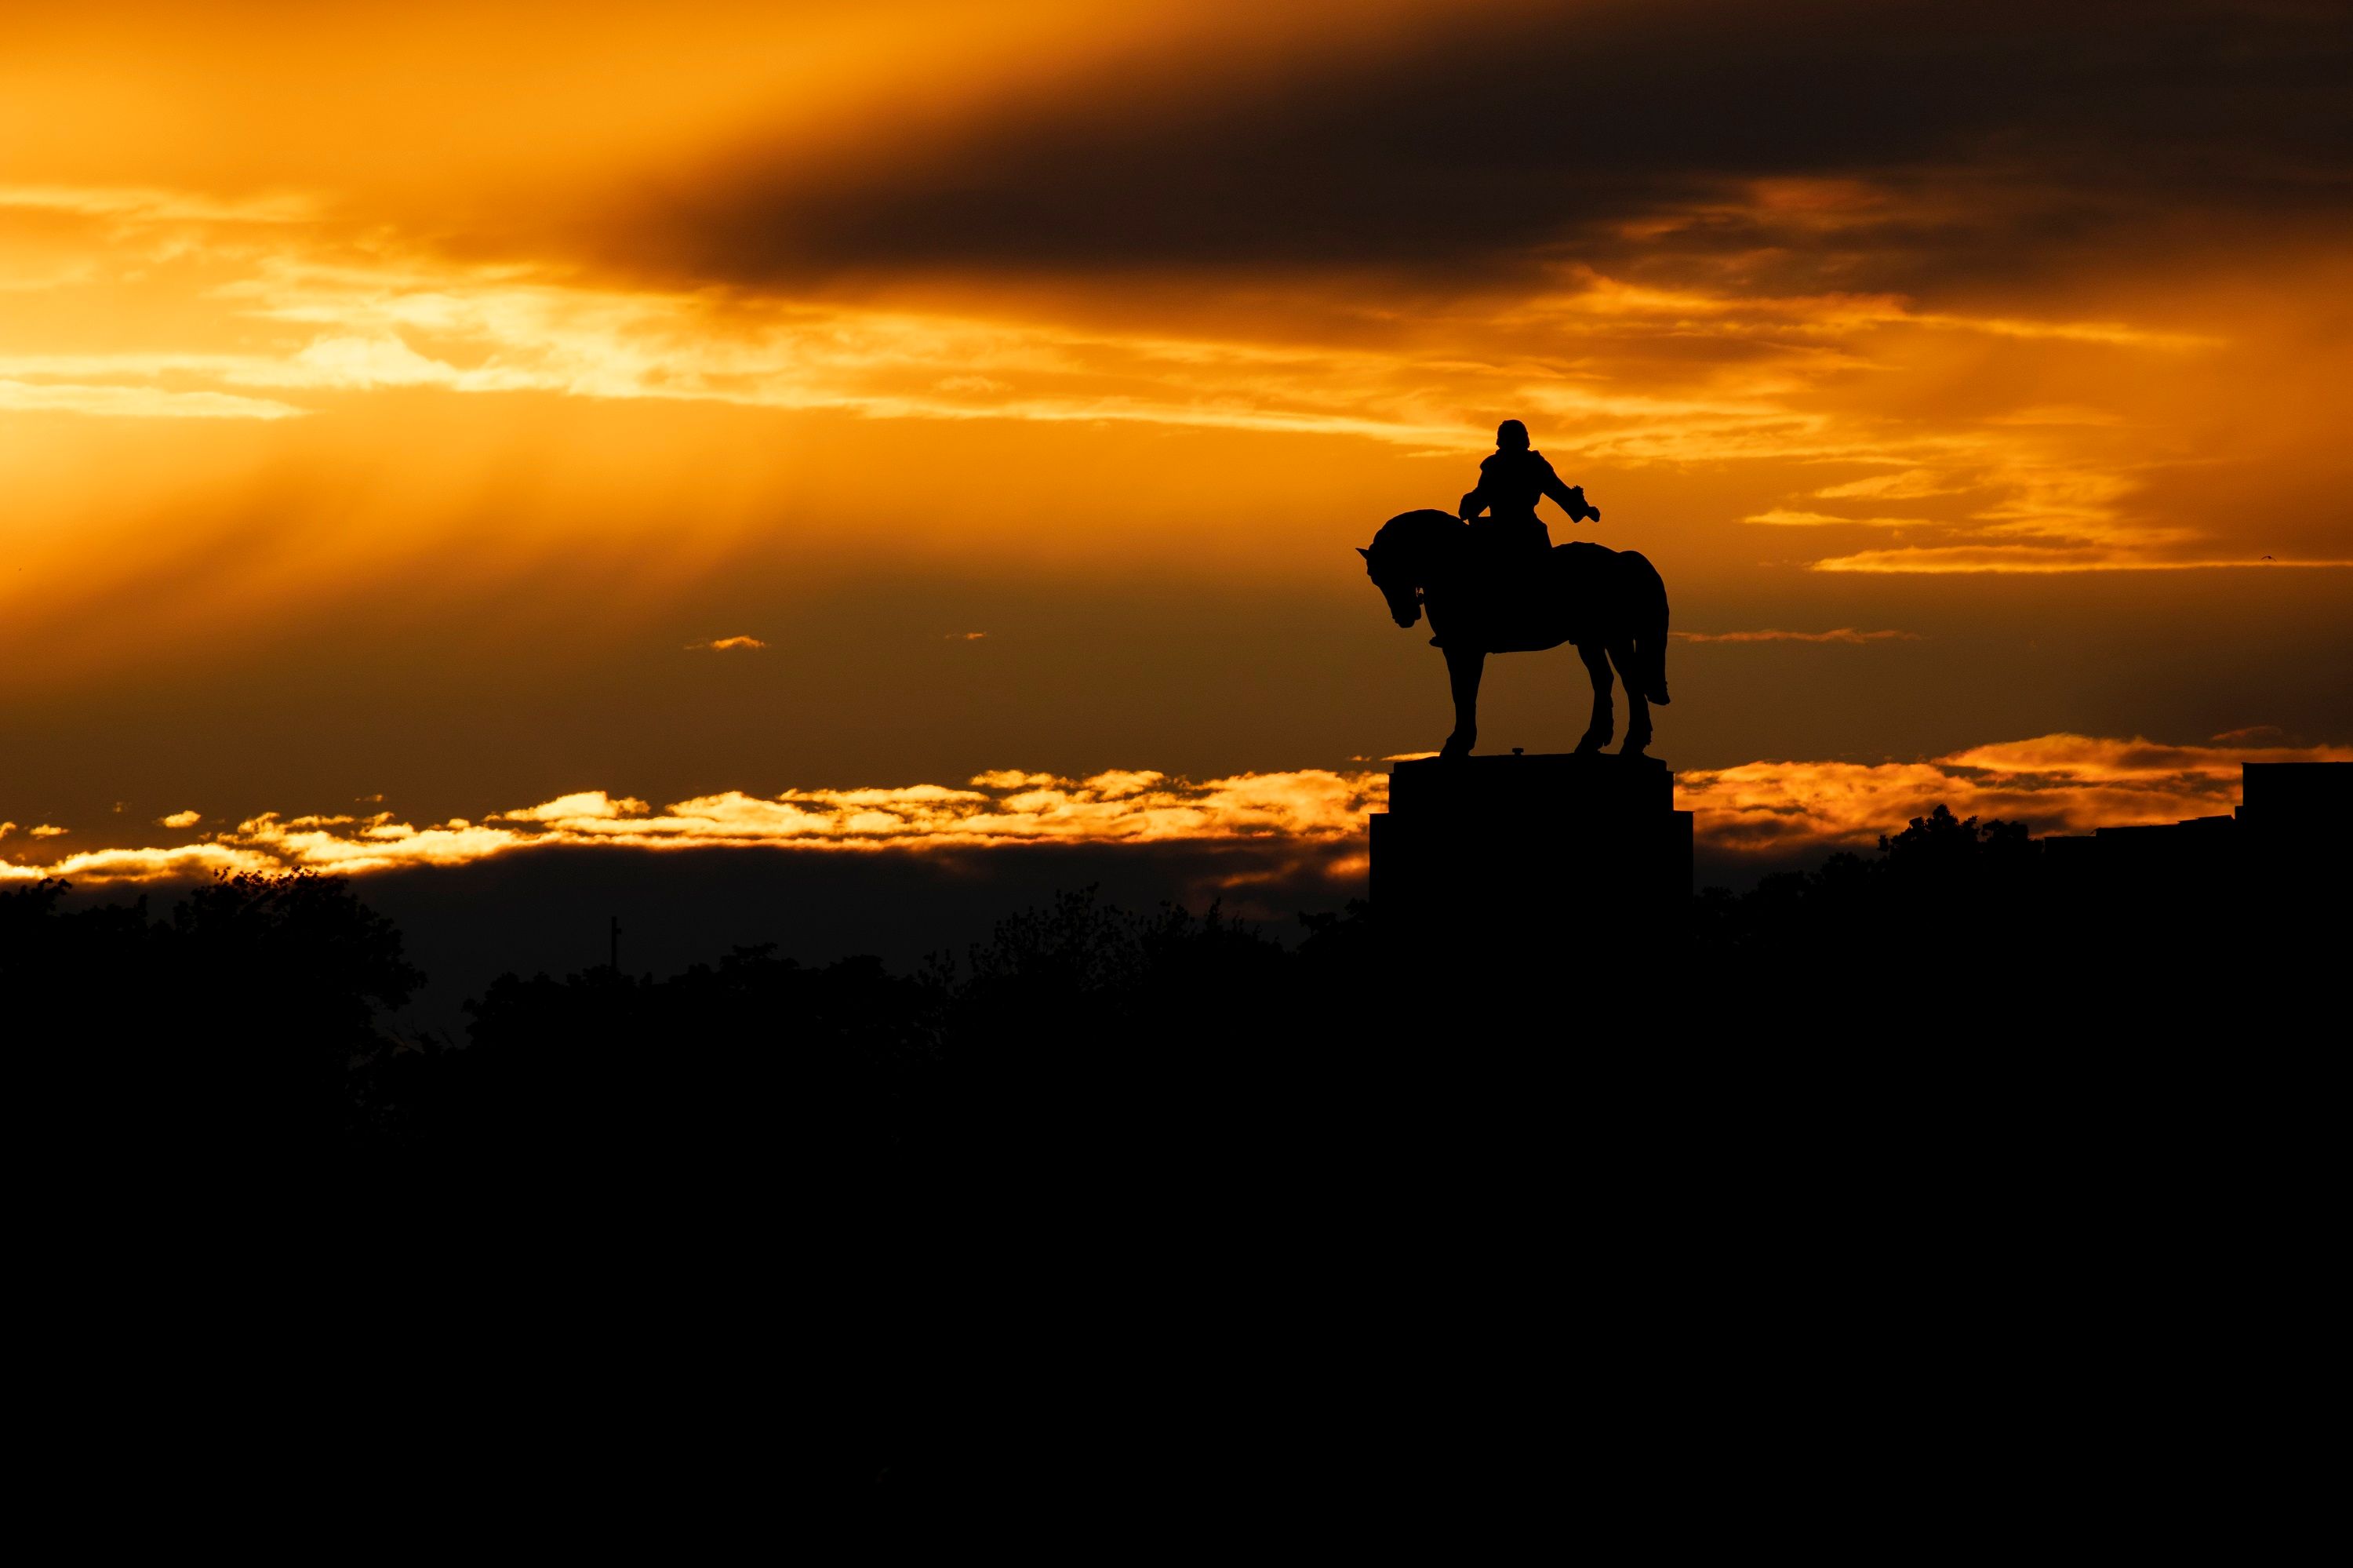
[(1646, 593)]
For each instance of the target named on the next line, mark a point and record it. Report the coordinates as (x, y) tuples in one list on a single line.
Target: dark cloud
[(1985, 133)]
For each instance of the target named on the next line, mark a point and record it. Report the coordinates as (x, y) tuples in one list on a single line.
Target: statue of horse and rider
[(1497, 584)]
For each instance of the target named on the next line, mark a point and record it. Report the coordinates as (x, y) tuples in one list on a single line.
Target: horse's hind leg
[(1638, 711), (1604, 722), (1463, 668)]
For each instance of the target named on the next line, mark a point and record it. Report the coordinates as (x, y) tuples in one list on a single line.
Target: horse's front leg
[(1463, 668), (1637, 709), (1596, 664)]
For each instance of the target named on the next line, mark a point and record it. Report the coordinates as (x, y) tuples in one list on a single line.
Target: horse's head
[(1403, 555), (1396, 585)]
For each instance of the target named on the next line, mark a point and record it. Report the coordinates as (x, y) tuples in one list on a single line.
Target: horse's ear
[(1362, 551)]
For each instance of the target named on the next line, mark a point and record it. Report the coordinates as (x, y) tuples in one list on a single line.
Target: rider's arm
[(1571, 500), (1474, 502)]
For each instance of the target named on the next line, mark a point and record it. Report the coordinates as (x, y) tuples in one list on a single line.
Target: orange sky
[(398, 401)]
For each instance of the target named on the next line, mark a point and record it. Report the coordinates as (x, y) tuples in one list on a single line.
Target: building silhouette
[(2276, 875)]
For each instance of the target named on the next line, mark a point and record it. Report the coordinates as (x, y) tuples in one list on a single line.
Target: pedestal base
[(1586, 848)]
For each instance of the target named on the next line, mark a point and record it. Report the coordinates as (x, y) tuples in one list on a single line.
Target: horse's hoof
[(1590, 746), (1635, 748), (1656, 695), (1458, 745)]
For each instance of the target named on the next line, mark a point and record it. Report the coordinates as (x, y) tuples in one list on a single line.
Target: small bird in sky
[(2268, 557)]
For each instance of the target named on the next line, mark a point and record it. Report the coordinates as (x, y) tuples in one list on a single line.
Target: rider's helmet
[(1511, 436)]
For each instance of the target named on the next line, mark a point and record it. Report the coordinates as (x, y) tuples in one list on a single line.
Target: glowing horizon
[(2053, 783)]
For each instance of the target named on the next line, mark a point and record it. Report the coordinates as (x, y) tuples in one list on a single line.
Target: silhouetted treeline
[(1960, 931), (1142, 1211), (1941, 881), (259, 1019), (229, 1032)]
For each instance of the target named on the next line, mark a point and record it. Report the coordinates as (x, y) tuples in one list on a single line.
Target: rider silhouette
[(1511, 479), (1511, 542)]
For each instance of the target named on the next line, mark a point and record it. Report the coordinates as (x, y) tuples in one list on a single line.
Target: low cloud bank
[(2054, 783), (1310, 807), (1841, 634)]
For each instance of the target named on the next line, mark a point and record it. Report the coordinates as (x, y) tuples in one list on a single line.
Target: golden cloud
[(1913, 485), (140, 205), (1841, 634), (1782, 517), (2054, 783), (136, 402), (2033, 560), (726, 645), (586, 804), (179, 820), (1120, 806)]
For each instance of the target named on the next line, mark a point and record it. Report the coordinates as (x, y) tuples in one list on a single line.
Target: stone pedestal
[(1558, 847)]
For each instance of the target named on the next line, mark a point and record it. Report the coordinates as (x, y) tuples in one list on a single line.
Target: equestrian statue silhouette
[(1497, 584)]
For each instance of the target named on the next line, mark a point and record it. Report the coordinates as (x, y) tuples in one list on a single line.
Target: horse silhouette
[(1611, 604)]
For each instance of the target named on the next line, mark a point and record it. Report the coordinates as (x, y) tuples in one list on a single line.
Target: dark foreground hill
[(1144, 1226)]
